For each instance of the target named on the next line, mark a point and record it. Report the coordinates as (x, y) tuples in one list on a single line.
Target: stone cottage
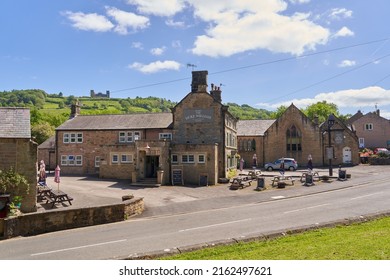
[(194, 144), (18, 151)]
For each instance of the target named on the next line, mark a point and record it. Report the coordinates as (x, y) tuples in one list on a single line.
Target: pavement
[(167, 200)]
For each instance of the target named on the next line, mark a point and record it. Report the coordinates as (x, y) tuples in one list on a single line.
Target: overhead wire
[(335, 76), (256, 65)]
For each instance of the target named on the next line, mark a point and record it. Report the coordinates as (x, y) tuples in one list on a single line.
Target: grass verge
[(361, 241)]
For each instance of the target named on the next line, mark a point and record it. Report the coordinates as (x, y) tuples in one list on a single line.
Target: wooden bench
[(280, 181)]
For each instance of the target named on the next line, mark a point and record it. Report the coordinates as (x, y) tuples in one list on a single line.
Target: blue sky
[(263, 53)]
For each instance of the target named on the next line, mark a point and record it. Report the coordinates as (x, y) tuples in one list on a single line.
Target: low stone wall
[(49, 221), (378, 161)]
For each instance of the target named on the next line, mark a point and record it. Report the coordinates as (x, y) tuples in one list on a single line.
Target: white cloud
[(299, 1), (176, 24), (351, 98), (156, 66), (158, 7), (237, 26), (89, 22), (127, 20), (157, 51), (347, 63), (137, 45), (344, 32), (340, 13), (176, 44)]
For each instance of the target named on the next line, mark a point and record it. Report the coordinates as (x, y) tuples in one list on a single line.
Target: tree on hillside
[(42, 131), (322, 110), (279, 111)]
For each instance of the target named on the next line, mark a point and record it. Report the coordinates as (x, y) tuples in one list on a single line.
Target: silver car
[(289, 164)]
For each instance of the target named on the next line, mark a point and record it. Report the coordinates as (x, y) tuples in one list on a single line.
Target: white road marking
[(306, 208), (80, 247), (278, 197), (214, 225), (364, 196)]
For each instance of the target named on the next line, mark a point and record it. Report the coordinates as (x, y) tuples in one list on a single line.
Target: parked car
[(381, 151), (289, 164)]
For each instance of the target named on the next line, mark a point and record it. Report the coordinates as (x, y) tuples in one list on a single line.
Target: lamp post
[(331, 121)]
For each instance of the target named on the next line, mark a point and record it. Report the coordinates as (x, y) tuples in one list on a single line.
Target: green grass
[(360, 241)]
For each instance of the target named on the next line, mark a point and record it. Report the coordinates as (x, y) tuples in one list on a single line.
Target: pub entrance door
[(151, 167)]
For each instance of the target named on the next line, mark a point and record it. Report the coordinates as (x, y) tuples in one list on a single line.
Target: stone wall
[(43, 222), (201, 120), (275, 140), (193, 171), (21, 155), (378, 161)]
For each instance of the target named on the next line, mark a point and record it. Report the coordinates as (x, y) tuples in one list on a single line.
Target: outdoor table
[(43, 191), (282, 178), (58, 197), (241, 182)]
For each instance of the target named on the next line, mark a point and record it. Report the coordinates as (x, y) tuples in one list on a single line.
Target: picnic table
[(315, 175), (58, 197), (254, 174), (241, 182), (282, 179), (43, 191)]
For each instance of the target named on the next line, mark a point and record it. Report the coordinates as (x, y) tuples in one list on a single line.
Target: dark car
[(289, 164)]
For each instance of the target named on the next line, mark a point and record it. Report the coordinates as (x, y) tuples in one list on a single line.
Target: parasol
[(57, 176)]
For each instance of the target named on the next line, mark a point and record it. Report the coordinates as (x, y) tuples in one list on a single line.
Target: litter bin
[(342, 174), (309, 179), (4, 201), (260, 183)]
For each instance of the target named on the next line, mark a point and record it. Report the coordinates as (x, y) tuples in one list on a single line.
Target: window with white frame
[(126, 158), (361, 142), (97, 161), (73, 137), (188, 159), (165, 136), (201, 158), (175, 159), (115, 158), (71, 160), (368, 126), (129, 136)]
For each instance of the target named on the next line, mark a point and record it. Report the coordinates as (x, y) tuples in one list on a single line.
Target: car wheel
[(291, 168), (269, 168)]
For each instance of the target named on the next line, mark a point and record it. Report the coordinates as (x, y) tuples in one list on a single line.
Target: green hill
[(50, 110)]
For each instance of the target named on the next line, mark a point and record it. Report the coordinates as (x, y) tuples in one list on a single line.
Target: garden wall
[(49, 221), (378, 161)]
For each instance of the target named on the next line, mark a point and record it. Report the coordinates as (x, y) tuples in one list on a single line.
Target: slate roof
[(49, 143), (253, 127), (15, 122), (118, 122)]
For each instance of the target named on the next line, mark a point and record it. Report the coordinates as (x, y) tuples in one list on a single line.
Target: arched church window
[(294, 139)]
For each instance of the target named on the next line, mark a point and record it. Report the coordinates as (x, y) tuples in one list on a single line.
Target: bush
[(11, 182)]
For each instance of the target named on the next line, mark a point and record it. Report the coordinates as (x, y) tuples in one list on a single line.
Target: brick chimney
[(74, 109), (199, 81), (216, 93)]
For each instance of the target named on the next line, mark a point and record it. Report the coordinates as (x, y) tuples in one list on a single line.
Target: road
[(279, 212)]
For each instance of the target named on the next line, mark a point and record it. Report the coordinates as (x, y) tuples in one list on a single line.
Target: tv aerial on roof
[(191, 65)]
